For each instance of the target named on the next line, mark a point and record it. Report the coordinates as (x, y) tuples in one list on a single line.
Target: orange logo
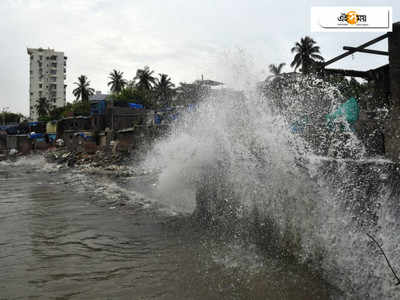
[(352, 17)]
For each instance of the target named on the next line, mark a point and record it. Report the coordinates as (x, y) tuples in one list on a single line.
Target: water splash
[(237, 159)]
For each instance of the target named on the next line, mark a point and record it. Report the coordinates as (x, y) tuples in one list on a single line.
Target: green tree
[(10, 117), (83, 91), (117, 81), (276, 70), (132, 94), (80, 108), (43, 107), (307, 53), (164, 89), (145, 79), (59, 112)]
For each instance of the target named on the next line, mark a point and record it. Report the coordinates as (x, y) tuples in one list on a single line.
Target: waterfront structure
[(46, 78), (387, 83)]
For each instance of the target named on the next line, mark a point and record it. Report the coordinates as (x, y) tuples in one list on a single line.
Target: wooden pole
[(355, 49), (379, 38)]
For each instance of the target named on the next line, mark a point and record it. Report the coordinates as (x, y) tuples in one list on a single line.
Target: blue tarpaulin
[(36, 135), (298, 126), (135, 105), (86, 137), (157, 119), (348, 110)]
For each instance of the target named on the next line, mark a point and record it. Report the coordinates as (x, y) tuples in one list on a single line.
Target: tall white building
[(46, 78)]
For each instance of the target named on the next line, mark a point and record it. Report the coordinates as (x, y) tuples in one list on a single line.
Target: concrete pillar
[(392, 128)]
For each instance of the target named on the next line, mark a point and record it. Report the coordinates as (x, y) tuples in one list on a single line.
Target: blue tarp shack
[(135, 105), (349, 111)]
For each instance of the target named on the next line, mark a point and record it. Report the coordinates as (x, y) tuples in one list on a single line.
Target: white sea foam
[(327, 203)]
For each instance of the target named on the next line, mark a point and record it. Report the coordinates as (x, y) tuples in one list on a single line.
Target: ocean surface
[(70, 234)]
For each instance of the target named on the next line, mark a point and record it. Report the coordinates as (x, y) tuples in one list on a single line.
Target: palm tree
[(43, 107), (117, 82), (307, 54), (83, 91), (145, 78), (164, 88), (276, 70)]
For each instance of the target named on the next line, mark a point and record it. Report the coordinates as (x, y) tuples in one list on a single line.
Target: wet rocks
[(102, 162)]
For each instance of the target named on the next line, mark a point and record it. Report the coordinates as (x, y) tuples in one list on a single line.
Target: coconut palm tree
[(276, 70), (145, 79), (83, 91), (117, 82), (164, 88), (307, 54), (43, 107)]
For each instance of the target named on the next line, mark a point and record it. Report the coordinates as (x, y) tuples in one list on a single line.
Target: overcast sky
[(182, 38)]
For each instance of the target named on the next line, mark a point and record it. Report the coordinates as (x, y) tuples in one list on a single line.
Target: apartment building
[(46, 78)]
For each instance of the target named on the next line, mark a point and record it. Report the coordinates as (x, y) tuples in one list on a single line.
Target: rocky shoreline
[(106, 163)]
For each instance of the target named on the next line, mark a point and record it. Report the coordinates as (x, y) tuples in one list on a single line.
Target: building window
[(40, 85), (40, 57)]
